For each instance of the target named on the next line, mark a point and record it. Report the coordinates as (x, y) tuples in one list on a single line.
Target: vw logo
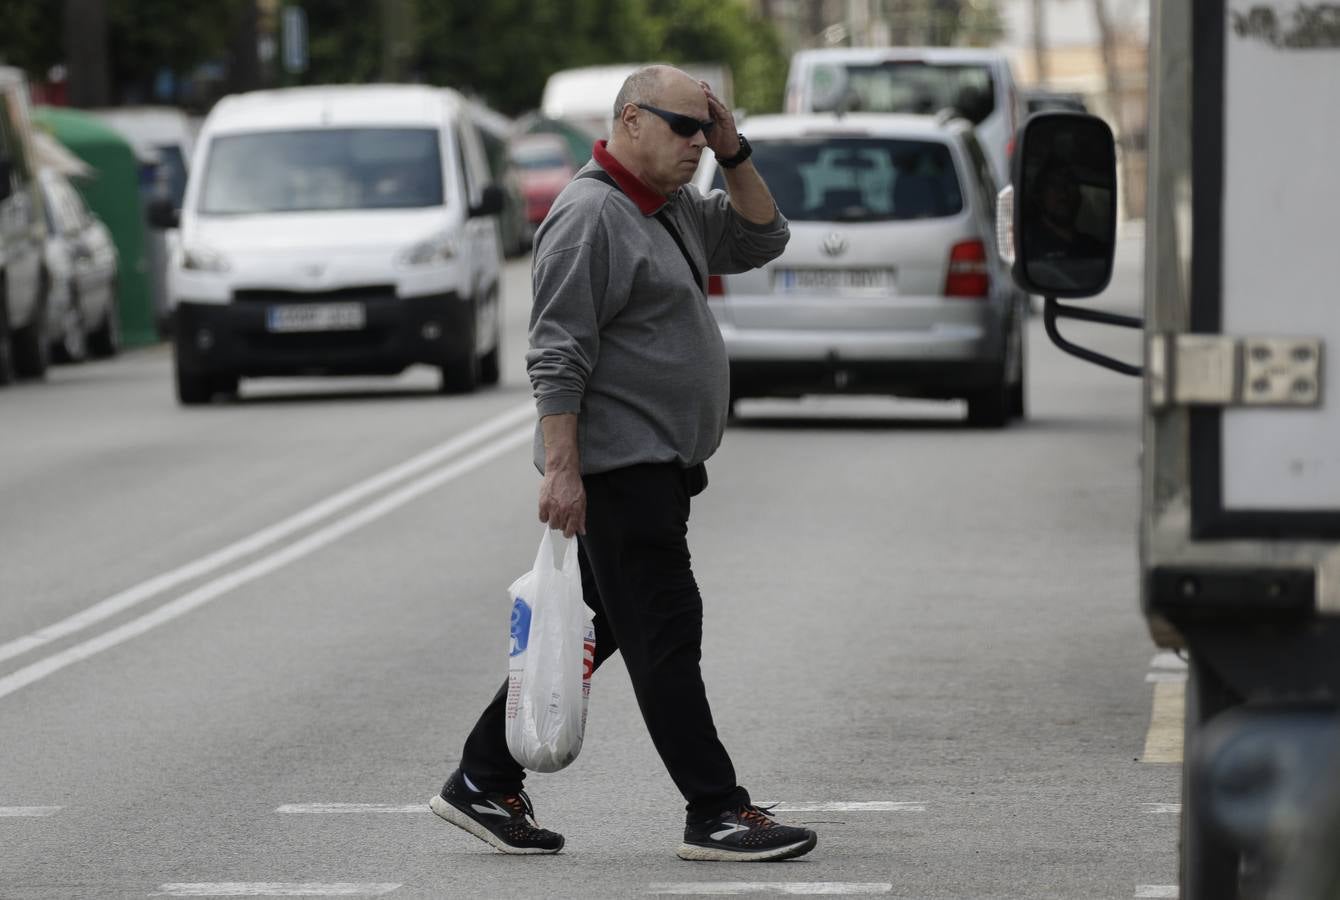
[(834, 244)]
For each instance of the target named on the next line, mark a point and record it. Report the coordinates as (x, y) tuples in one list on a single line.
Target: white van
[(339, 231), (978, 84)]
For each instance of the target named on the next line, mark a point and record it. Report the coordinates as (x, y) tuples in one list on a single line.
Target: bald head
[(652, 84)]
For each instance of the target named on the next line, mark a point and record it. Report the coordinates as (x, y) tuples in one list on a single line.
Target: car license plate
[(797, 280), (316, 317)]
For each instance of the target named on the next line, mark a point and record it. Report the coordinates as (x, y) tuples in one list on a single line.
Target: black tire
[(990, 407), (226, 385), (1209, 866), (1019, 390), (490, 365), (194, 390), (72, 345), (32, 344), (106, 340), (461, 375), (6, 347)]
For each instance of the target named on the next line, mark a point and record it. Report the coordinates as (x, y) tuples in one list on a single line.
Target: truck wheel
[(6, 352), (71, 345), (461, 375), (194, 390), (1019, 389), (490, 365), (32, 346), (106, 340), (989, 408), (1209, 865)]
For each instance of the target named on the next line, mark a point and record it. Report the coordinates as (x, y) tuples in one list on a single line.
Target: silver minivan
[(978, 84), (24, 350), (891, 283)]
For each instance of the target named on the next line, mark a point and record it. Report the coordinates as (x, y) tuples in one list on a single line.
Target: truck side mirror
[(163, 213), (1065, 204), (490, 202)]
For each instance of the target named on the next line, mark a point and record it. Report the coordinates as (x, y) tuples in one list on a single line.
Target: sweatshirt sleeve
[(572, 301), (734, 244)]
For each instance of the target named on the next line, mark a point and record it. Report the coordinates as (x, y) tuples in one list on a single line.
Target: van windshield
[(322, 169), (910, 86), (843, 179)]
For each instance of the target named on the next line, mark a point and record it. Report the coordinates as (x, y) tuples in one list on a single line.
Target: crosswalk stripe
[(803, 888), (273, 889), (1155, 891), (1163, 741)]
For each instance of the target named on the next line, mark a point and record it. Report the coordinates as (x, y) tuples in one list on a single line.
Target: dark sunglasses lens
[(687, 126)]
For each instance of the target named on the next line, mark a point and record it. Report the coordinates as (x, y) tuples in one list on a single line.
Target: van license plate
[(793, 280), (316, 317)]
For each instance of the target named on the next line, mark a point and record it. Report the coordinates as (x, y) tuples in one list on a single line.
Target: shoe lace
[(520, 804), (757, 816)]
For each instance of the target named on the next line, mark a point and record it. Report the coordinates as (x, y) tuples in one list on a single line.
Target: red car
[(545, 167)]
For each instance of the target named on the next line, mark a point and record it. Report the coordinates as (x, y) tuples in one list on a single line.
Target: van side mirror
[(1065, 204), (163, 213), (490, 204)]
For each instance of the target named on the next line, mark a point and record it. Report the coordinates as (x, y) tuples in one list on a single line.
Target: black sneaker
[(746, 834), (507, 821)]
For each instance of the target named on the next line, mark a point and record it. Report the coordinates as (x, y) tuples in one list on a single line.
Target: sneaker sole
[(445, 810), (699, 853)]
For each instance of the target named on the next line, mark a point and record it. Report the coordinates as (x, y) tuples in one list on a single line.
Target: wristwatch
[(740, 156)]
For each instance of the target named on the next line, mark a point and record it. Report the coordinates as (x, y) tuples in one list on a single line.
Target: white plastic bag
[(551, 654)]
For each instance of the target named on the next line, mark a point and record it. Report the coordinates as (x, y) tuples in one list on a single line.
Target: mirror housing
[(1064, 199), (163, 213), (490, 203)]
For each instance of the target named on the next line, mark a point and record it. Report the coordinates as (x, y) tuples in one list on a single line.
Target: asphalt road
[(240, 645)]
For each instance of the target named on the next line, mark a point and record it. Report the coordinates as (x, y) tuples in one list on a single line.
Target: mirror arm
[(1051, 310)]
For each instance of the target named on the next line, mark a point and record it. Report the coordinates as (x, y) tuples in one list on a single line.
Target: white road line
[(1163, 741), (27, 812), (1152, 891), (843, 806), (336, 809), (132, 596), (264, 566), (273, 889), (1162, 809), (1167, 659), (802, 888), (1165, 676)]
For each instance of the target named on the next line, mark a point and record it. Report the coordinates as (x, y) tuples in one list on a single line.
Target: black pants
[(636, 577)]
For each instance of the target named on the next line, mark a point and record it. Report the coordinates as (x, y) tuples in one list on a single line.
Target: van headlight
[(202, 259), (437, 249)]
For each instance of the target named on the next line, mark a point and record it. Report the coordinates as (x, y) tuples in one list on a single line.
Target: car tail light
[(969, 274), (716, 286)]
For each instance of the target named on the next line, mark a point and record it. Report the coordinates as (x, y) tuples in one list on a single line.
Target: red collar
[(647, 200)]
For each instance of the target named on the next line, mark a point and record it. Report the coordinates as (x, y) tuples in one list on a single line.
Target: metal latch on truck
[(1223, 370)]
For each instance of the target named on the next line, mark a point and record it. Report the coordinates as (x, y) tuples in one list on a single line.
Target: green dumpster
[(113, 195)]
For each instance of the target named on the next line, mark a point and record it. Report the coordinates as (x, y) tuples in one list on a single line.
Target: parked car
[(81, 263), (544, 168), (494, 131), (891, 283), (977, 84), (163, 139), (336, 230), (24, 349)]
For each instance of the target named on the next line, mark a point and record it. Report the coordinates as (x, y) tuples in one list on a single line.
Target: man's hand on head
[(724, 140)]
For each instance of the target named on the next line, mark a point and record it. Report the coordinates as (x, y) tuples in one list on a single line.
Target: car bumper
[(234, 339)]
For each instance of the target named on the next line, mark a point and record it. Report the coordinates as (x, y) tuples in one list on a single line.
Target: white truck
[(1240, 530)]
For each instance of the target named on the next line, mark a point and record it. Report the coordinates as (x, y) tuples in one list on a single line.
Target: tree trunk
[(1114, 101), (1040, 74), (86, 52)]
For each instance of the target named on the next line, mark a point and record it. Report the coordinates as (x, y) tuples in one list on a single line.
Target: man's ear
[(629, 117)]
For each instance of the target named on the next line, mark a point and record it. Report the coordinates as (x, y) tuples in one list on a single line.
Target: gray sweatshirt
[(621, 334)]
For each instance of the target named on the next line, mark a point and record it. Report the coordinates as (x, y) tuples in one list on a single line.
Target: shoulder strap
[(601, 175)]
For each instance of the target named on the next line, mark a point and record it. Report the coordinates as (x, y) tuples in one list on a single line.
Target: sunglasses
[(684, 126)]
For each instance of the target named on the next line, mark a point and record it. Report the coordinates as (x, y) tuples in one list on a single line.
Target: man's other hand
[(563, 501)]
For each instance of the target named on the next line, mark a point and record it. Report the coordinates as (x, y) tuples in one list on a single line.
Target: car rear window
[(826, 179), (910, 86)]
